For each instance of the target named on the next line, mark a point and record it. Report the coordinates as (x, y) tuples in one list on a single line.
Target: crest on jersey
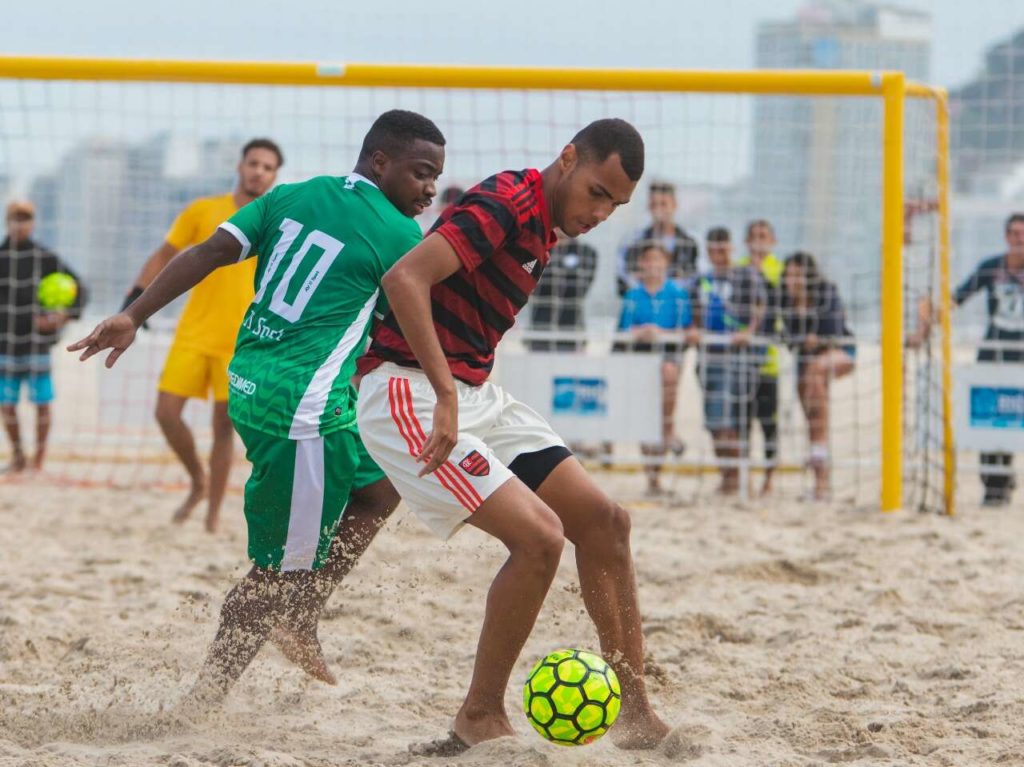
[(475, 465)]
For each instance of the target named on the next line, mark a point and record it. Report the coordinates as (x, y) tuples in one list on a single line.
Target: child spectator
[(728, 300), (656, 312)]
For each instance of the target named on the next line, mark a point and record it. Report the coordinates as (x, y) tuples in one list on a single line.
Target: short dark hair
[(1015, 218), (760, 222), (395, 130), (662, 187), (719, 234), (657, 245), (603, 138), (264, 143)]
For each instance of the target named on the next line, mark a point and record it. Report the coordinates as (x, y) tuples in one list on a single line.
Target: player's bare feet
[(472, 729), (17, 463), (305, 652), (641, 730), (195, 497), (212, 522)]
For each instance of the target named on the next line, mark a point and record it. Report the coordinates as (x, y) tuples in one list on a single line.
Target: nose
[(431, 189)]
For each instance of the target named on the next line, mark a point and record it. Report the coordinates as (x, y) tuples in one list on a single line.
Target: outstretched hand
[(115, 333)]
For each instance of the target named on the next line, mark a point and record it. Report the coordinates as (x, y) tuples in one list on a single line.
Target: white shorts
[(396, 412)]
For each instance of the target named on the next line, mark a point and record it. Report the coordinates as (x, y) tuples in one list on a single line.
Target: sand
[(778, 634)]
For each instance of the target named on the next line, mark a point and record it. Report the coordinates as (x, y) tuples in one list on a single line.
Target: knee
[(544, 548), (611, 524), (165, 414)]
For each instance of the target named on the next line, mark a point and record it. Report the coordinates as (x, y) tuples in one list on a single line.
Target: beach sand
[(778, 633)]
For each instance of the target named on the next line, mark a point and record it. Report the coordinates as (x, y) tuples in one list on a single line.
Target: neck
[(721, 271), (241, 198), (549, 178), (365, 169), (1015, 262), (653, 285), (664, 227)]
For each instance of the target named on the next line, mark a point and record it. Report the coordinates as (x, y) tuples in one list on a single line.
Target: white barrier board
[(988, 407), (615, 397)]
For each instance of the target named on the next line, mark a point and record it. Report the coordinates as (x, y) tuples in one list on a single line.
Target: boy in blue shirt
[(656, 312), (728, 301)]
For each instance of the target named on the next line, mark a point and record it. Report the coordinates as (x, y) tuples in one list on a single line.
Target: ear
[(568, 159), (379, 161)]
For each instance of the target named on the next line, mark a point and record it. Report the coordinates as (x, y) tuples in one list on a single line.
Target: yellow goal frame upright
[(891, 87)]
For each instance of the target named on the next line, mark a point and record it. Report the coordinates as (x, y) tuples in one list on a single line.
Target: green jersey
[(323, 246)]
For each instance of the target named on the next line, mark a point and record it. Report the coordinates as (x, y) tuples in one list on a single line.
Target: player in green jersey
[(322, 247)]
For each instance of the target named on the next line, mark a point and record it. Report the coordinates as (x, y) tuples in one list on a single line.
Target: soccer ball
[(571, 697), (57, 291)]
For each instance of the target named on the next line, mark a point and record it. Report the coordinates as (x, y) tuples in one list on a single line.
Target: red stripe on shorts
[(446, 469), (400, 401)]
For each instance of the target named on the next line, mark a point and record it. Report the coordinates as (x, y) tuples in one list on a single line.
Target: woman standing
[(815, 327)]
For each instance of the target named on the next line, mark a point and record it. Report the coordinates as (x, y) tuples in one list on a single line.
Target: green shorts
[(297, 493)]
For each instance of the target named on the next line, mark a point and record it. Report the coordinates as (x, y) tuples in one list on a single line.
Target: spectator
[(680, 246), (27, 331), (728, 300), (558, 299), (1002, 279), (815, 326), (764, 405), (655, 312)]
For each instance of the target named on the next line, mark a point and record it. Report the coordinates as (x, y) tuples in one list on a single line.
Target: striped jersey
[(322, 247), (501, 231)]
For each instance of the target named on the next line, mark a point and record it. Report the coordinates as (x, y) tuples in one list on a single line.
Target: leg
[(221, 454), (296, 635), (600, 528), (42, 433), (816, 382), (533, 535), (669, 397), (169, 408), (727, 447), (10, 416), (768, 416)]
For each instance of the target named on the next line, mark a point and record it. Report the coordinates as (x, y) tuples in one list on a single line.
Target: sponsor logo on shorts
[(475, 465), (244, 385)]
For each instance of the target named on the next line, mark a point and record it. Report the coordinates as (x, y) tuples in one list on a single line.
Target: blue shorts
[(40, 388), (728, 389)]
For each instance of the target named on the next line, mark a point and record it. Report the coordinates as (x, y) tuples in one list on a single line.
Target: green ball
[(572, 697), (57, 291)]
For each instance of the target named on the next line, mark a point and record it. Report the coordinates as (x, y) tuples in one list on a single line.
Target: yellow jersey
[(214, 311)]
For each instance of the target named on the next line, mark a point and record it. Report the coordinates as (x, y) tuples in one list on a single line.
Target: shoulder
[(990, 265)]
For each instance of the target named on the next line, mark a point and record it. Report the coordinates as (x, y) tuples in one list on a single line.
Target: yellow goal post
[(889, 87)]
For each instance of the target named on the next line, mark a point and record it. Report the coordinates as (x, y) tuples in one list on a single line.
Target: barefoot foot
[(643, 730), (305, 652), (196, 494)]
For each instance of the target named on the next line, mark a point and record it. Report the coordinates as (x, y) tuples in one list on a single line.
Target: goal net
[(109, 162)]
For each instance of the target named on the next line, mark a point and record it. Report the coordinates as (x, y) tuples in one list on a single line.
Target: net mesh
[(109, 165)]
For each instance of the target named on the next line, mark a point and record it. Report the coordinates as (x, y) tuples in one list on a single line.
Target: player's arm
[(407, 287), (182, 273)]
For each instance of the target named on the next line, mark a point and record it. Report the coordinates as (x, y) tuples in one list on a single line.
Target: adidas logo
[(529, 266)]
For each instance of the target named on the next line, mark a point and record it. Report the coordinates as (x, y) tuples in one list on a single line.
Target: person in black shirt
[(558, 299), (1002, 279), (664, 230), (27, 331), (814, 321)]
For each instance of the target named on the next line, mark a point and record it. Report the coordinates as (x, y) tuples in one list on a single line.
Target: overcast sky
[(641, 33)]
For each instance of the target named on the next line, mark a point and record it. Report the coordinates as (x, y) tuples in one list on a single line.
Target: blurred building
[(817, 161), (108, 204)]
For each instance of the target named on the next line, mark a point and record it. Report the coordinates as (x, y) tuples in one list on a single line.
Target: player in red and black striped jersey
[(501, 233), (425, 398)]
